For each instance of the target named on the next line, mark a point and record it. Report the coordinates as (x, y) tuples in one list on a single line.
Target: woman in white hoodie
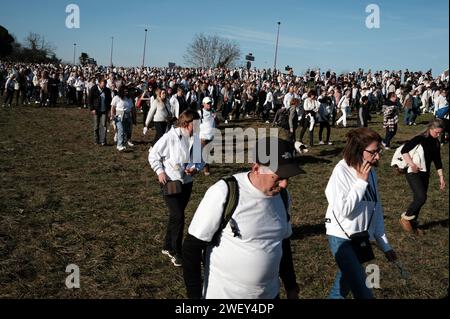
[(354, 208)]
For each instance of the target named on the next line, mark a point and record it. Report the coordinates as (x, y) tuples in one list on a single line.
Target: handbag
[(360, 241), (361, 245), (172, 188)]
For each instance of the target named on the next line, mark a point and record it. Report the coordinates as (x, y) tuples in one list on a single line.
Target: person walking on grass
[(172, 160), (122, 109), (354, 210), (252, 250), (100, 105), (390, 119), (418, 174)]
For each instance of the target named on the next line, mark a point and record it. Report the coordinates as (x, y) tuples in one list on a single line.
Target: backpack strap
[(229, 206), (231, 203), (285, 197)]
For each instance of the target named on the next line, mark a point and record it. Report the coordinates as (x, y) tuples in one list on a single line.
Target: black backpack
[(230, 205)]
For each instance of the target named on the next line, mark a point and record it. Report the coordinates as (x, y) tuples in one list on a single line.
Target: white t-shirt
[(246, 267), (122, 106)]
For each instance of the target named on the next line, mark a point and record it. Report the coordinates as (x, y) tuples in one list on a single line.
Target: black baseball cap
[(277, 154)]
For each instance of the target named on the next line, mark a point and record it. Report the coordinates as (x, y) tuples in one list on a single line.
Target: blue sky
[(413, 34)]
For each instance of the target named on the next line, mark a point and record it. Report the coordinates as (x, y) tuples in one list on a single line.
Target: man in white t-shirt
[(250, 264)]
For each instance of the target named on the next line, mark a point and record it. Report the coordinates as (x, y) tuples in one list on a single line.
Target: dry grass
[(64, 200)]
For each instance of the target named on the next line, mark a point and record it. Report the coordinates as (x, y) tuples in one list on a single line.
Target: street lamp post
[(74, 52), (145, 44), (112, 45), (276, 47)]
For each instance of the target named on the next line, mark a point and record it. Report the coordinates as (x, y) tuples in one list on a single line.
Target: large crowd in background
[(325, 99)]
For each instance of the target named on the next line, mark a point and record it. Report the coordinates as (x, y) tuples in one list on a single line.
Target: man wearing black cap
[(254, 250)]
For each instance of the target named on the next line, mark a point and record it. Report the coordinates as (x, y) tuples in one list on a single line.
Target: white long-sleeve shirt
[(287, 100), (269, 99), (353, 204), (172, 155), (158, 112), (174, 106)]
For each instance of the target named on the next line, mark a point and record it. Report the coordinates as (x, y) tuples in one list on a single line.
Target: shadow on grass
[(308, 159), (333, 152), (303, 231), (441, 223)]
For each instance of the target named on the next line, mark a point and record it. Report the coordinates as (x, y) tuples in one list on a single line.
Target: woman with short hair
[(354, 210), (172, 160)]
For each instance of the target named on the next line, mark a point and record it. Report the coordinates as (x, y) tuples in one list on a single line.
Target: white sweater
[(346, 195), (158, 112)]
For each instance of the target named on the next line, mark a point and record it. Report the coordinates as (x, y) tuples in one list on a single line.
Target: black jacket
[(95, 100)]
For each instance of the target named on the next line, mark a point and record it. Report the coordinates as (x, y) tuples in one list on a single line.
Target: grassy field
[(64, 201)]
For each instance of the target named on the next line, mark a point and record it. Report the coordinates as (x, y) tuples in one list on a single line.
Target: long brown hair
[(357, 141)]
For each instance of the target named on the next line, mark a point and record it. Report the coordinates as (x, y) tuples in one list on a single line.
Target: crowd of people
[(258, 228), (326, 99)]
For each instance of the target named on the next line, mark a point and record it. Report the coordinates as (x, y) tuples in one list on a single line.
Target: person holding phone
[(354, 206), (172, 158)]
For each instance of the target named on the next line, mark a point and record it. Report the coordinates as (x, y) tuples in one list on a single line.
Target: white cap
[(206, 100)]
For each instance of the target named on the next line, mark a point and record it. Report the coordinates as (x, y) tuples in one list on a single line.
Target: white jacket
[(346, 195), (174, 106), (172, 155), (417, 155)]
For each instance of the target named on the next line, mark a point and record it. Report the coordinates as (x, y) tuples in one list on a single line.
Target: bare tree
[(212, 51), (36, 42)]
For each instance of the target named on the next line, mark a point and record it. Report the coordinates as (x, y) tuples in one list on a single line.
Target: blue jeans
[(123, 128), (408, 116), (351, 275)]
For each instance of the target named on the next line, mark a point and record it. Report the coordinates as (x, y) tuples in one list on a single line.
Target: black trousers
[(175, 227), (390, 135), (418, 182), (161, 128)]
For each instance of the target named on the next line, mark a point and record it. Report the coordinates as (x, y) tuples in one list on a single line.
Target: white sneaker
[(226, 121), (330, 143), (130, 144), (121, 148), (383, 143), (267, 122), (321, 143), (167, 253)]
